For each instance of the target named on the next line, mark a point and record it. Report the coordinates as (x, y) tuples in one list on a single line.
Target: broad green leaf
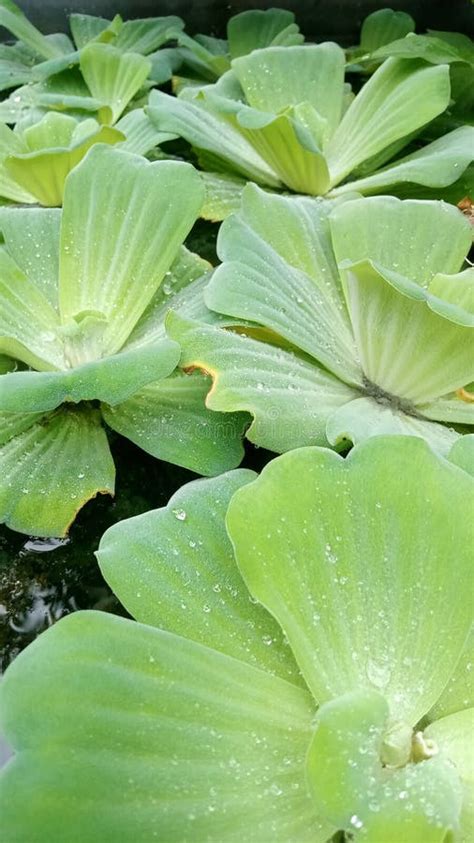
[(417, 802), (43, 71), (289, 397), (382, 27), (113, 77), (278, 77), (453, 736), (51, 469), (13, 74), (169, 739), (457, 289), (28, 322), (223, 195), (288, 148), (201, 595), (85, 28), (114, 265), (458, 693), (208, 131), (164, 63), (12, 424), (169, 419), (411, 344), (314, 540), (462, 453), (427, 47), (399, 98), (438, 164), (431, 237), (455, 408), (44, 173), (110, 379), (37, 252), (358, 420), (13, 19), (140, 134), (258, 28), (255, 283), (147, 34)]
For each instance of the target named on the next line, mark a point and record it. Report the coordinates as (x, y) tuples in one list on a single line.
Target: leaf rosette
[(321, 683), (285, 118), (84, 292), (344, 321)]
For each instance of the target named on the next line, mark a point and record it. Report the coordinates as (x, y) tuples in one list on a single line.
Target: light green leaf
[(399, 98), (28, 321), (43, 173), (417, 802), (358, 420), (458, 693), (164, 63), (438, 164), (52, 469), (85, 28), (431, 237), (32, 239), (114, 265), (452, 734), (223, 195), (201, 596), (13, 74), (145, 35), (13, 19), (427, 47), (112, 379), (206, 130), (411, 345), (289, 397), (255, 283), (113, 77), (454, 408), (169, 419), (462, 453), (258, 28), (278, 77), (171, 737), (314, 540), (140, 133), (12, 424), (383, 27)]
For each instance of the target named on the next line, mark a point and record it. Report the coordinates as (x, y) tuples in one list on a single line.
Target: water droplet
[(179, 514)]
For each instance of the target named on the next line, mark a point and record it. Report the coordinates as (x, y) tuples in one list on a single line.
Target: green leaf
[(358, 420), (458, 693), (145, 35), (168, 738), (32, 239), (28, 322), (418, 802), (462, 453), (169, 419), (12, 424), (13, 19), (201, 596), (43, 173), (223, 196), (427, 47), (210, 131), (411, 344), (255, 283), (314, 540), (430, 237), (140, 134), (114, 265), (113, 77), (452, 734), (289, 397), (85, 28), (52, 469), (382, 27), (278, 77), (111, 379), (257, 28), (438, 164), (452, 408), (399, 98)]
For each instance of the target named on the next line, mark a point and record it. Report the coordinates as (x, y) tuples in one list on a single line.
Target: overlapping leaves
[(196, 722)]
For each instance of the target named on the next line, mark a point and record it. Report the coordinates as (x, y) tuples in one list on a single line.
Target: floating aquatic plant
[(201, 720), (83, 298), (285, 118), (356, 319)]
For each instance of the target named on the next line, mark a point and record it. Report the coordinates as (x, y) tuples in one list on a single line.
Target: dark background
[(318, 19)]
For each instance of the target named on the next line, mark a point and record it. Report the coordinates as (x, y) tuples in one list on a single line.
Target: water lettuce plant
[(83, 295), (355, 319), (318, 683), (285, 118)]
